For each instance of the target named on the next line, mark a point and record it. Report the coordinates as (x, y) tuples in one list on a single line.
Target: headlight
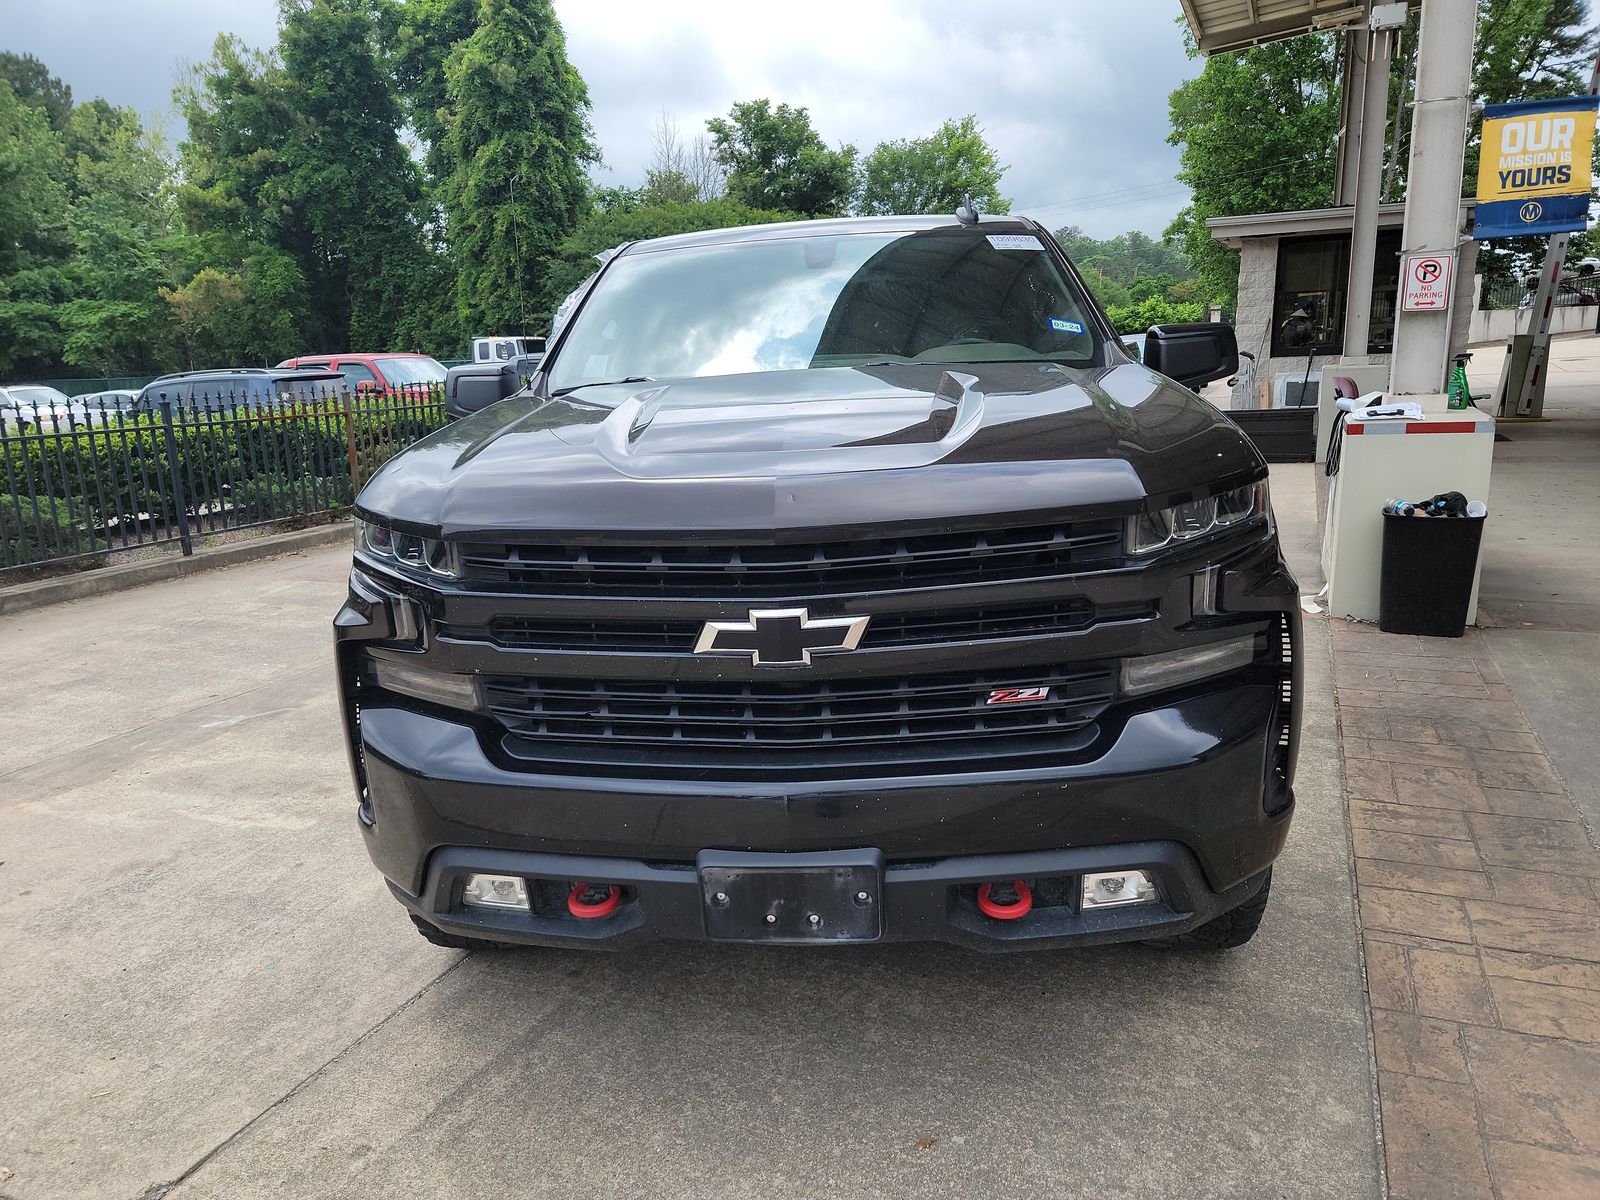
[(1185, 522), (431, 555)]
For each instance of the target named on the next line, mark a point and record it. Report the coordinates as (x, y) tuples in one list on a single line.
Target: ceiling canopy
[(1220, 25)]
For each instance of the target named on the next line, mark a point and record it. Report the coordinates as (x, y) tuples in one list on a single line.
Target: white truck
[(504, 348)]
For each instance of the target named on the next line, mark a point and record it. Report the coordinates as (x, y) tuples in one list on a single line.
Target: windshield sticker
[(1014, 241), (1061, 326)]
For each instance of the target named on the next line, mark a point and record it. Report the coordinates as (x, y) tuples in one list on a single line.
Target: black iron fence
[(1579, 290), (79, 482)]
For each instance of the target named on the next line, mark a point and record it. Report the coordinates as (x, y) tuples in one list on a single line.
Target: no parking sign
[(1425, 281)]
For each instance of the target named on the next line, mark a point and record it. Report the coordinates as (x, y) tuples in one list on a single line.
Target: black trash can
[(1428, 567)]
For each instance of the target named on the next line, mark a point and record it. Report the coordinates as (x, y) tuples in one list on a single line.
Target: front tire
[(1232, 929)]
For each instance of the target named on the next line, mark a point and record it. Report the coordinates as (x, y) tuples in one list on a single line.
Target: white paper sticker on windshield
[(1014, 241)]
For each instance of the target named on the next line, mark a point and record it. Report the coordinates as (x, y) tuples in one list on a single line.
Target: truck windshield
[(948, 295)]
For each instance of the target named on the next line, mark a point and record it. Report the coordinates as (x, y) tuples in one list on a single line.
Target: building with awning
[(1294, 272), (1321, 285)]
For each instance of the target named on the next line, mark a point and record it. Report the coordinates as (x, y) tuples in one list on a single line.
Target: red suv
[(381, 372)]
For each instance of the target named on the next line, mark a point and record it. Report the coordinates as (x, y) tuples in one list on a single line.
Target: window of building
[(1309, 298)]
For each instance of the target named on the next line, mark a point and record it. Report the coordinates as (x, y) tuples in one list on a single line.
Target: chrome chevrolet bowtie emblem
[(780, 637)]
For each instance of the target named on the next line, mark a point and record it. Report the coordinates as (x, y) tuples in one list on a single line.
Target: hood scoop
[(685, 429)]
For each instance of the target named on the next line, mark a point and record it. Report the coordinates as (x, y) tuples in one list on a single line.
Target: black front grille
[(801, 569), (816, 728), (928, 628)]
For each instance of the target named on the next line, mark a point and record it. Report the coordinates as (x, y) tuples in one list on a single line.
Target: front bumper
[(921, 901), (1179, 792), (1180, 783)]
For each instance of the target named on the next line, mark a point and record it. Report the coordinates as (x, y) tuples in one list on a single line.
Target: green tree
[(775, 160), (127, 240), (669, 187), (35, 238), (933, 174), (32, 83), (515, 146), (239, 317), (235, 195), (1126, 257), (296, 154), (1258, 129), (577, 257), (358, 191), (1127, 269), (426, 33)]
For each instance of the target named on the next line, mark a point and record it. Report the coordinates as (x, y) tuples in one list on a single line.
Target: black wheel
[(1233, 928), (454, 941)]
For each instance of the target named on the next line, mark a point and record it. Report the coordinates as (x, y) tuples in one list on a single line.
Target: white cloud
[(1073, 95)]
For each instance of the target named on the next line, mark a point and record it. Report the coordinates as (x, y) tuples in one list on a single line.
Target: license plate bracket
[(741, 891)]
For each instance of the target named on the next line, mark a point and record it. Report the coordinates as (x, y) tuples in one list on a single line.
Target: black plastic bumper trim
[(921, 901)]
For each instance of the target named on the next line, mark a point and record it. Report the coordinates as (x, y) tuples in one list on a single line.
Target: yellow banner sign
[(1534, 167)]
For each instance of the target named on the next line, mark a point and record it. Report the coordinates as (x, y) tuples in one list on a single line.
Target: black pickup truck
[(830, 582)]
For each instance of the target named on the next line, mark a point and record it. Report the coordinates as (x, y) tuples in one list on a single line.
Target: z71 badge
[(1018, 695)]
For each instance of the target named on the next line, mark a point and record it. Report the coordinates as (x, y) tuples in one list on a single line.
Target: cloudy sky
[(1072, 93)]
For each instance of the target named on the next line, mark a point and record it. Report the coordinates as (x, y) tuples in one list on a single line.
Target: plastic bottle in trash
[(1398, 508)]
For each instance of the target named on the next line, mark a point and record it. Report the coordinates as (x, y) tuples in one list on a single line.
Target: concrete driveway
[(206, 990)]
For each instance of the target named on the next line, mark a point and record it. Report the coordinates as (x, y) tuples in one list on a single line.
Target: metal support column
[(1369, 189), (1352, 89), (1433, 191)]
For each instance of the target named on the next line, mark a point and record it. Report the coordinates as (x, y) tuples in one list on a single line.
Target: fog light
[(495, 891), (1109, 889), (1151, 672), (424, 683)]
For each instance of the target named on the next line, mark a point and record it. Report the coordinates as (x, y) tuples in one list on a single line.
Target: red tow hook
[(591, 901), (999, 906)]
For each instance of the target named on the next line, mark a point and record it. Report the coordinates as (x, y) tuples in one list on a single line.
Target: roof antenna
[(967, 214)]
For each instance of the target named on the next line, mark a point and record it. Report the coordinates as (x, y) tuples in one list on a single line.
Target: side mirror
[(366, 385), (1192, 354)]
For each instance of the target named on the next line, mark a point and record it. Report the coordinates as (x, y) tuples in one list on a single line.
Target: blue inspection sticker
[(1061, 326)]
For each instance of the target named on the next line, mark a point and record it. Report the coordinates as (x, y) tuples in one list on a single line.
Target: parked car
[(382, 372), (121, 398), (244, 387), (107, 407), (1578, 268), (26, 405), (1567, 296), (830, 582), (503, 349)]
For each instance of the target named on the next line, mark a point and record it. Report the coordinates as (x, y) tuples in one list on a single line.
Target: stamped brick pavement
[(1479, 894)]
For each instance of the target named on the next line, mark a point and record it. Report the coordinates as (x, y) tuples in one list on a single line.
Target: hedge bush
[(1157, 310), (235, 468), (31, 532)]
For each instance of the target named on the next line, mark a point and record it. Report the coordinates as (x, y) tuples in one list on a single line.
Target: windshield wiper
[(601, 383)]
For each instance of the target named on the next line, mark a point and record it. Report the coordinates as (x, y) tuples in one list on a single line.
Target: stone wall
[(1258, 273)]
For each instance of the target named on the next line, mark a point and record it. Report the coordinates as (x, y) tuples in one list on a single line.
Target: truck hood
[(909, 444)]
